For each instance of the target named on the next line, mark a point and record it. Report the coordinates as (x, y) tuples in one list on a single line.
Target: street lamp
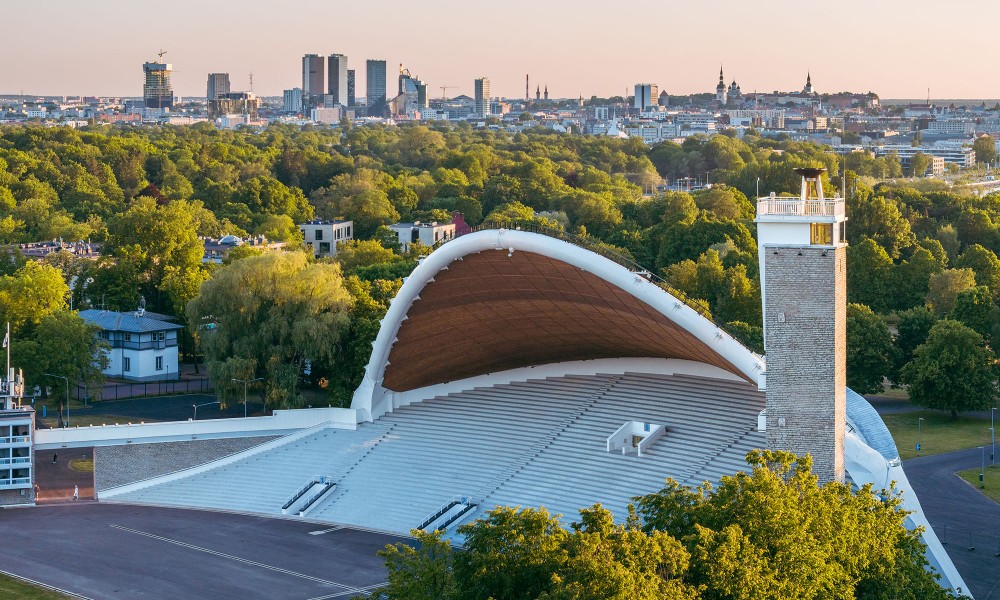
[(982, 469), (66, 422), (245, 382), (758, 187), (920, 423), (993, 438), (195, 406)]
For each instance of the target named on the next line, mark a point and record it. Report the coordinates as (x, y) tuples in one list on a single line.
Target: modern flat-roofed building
[(646, 95), (292, 101), (157, 91), (337, 79), (324, 236), (427, 234), (17, 435), (218, 86), (375, 83), (313, 78), (482, 86)]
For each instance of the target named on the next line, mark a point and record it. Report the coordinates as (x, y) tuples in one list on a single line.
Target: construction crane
[(161, 53), (444, 90)]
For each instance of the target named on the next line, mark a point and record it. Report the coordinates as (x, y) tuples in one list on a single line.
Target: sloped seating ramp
[(529, 442)]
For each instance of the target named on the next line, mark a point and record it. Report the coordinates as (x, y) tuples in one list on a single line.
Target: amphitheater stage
[(118, 551)]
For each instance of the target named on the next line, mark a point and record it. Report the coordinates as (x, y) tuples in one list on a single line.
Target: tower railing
[(796, 206)]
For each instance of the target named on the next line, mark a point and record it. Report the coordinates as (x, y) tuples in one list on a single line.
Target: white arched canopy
[(498, 300)]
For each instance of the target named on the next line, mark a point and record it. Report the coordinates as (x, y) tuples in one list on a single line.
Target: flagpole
[(6, 344)]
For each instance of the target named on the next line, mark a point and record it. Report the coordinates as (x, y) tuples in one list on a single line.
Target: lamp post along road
[(66, 379), (195, 407), (993, 437), (920, 427), (245, 382)]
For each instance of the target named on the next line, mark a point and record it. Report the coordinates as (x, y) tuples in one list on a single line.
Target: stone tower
[(803, 273)]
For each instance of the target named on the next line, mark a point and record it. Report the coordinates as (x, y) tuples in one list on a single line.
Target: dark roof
[(131, 322)]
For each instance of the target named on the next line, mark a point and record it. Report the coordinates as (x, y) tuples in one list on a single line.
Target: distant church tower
[(720, 90), (546, 91), (803, 273), (809, 84), (538, 93)]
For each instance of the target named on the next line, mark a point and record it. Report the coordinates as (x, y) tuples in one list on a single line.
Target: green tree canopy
[(952, 370), (273, 315), (870, 351)]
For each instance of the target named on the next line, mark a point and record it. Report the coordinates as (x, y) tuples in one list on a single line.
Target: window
[(324, 247), (159, 363), (319, 234), (103, 335), (348, 231), (821, 234), (126, 364), (127, 337), (159, 336)]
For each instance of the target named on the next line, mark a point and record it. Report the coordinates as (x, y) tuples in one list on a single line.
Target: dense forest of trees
[(922, 253)]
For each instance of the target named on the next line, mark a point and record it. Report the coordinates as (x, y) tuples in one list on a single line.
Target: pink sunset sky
[(897, 48)]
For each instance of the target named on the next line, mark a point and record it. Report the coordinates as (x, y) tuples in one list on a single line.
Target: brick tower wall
[(806, 342)]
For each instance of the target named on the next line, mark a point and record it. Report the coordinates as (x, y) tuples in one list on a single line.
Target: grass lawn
[(15, 589), (939, 432), (992, 479), (83, 465)]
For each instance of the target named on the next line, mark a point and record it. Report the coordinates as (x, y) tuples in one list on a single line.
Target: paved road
[(56, 479), (121, 551), (956, 509)]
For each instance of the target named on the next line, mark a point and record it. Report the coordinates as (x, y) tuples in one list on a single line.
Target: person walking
[(76, 493), (55, 457)]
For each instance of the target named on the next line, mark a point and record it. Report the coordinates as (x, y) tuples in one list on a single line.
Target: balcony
[(795, 206), (158, 345), (15, 439), (15, 483), (17, 460)]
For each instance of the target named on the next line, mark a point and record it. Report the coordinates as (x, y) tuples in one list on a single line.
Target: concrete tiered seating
[(533, 443), (263, 482)]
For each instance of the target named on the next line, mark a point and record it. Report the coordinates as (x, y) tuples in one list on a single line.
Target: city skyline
[(562, 45)]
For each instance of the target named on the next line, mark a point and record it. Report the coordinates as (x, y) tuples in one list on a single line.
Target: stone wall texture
[(806, 343), (128, 463)]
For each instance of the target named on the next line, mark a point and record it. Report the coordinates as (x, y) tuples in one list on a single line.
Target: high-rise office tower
[(375, 83), (218, 86), (646, 95), (482, 97), (313, 77), (293, 101), (156, 90), (351, 97), (336, 80)]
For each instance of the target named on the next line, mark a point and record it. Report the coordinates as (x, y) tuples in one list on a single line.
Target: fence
[(120, 391)]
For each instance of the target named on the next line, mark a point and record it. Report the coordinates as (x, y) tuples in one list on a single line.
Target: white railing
[(16, 481), (796, 206), (17, 460), (17, 439)]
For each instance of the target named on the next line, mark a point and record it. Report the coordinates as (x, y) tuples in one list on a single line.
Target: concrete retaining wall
[(280, 423), (128, 463)]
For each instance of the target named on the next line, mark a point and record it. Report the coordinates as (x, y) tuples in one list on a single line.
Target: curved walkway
[(961, 516)]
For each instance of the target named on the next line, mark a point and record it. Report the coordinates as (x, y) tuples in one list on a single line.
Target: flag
[(6, 339)]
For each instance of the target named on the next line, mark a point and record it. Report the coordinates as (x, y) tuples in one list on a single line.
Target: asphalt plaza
[(126, 551)]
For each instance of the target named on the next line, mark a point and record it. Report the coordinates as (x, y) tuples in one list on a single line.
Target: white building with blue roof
[(143, 345)]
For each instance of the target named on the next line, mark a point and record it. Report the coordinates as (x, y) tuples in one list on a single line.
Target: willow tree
[(273, 317)]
